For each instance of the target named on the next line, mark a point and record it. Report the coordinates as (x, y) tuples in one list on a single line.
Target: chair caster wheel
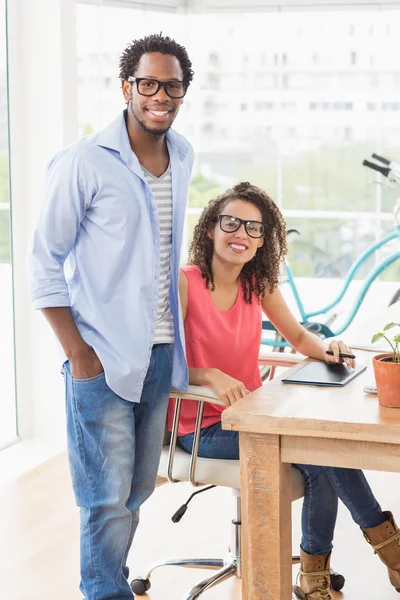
[(297, 593), (337, 581), (140, 586)]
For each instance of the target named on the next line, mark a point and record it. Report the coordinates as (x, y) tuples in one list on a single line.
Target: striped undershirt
[(162, 192)]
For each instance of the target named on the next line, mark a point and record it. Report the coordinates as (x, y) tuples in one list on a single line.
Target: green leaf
[(377, 337), (390, 326), (397, 339)]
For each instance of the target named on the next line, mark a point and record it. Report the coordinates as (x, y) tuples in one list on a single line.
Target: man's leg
[(101, 448), (150, 420)]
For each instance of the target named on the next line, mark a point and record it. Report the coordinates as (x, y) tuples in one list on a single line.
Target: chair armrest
[(278, 359), (199, 393)]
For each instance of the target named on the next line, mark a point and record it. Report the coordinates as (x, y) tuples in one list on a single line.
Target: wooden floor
[(39, 539)]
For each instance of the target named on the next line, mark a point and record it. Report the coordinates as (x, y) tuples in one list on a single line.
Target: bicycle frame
[(305, 316)]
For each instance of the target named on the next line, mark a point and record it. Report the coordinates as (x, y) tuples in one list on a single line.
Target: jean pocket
[(91, 393), (89, 379)]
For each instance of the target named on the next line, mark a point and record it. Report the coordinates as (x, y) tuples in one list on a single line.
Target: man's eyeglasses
[(150, 87), (229, 224)]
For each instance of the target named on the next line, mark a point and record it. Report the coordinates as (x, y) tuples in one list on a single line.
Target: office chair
[(176, 465)]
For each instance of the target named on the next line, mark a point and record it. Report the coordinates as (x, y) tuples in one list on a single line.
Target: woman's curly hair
[(262, 272)]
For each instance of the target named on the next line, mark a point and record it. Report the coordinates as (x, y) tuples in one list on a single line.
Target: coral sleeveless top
[(226, 340)]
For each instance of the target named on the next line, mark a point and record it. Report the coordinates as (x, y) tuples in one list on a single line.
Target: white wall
[(43, 118)]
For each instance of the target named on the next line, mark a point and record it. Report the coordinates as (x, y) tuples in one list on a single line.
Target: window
[(213, 60), (207, 128), (390, 106), (264, 81), (7, 383), (264, 106), (212, 81)]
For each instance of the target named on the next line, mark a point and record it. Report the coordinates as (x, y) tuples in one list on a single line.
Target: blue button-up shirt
[(96, 250)]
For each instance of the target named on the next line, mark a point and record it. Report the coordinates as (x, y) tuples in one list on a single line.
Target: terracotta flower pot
[(387, 375)]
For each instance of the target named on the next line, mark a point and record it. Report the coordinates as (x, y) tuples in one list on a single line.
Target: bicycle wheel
[(396, 298)]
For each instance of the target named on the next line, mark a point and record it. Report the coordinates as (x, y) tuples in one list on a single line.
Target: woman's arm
[(278, 312), (228, 389)]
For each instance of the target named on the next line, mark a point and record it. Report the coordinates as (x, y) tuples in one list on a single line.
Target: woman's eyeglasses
[(229, 224)]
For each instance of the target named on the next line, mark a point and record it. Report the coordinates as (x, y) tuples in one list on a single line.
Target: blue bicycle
[(322, 328)]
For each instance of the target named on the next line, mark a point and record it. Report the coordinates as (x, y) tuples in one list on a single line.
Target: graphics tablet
[(321, 373)]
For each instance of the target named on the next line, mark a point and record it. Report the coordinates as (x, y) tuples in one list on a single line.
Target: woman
[(235, 260)]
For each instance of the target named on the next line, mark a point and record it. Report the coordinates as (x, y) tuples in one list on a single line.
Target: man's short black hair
[(132, 54)]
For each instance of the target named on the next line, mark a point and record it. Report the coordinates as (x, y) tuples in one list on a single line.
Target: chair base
[(229, 567), (225, 572), (226, 568)]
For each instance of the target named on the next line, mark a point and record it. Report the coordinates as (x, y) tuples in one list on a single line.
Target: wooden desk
[(283, 424)]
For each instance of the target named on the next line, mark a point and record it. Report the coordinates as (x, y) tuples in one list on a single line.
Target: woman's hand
[(339, 346), (228, 389)]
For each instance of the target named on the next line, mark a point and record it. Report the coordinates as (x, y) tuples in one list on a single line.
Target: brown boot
[(385, 540), (314, 577)]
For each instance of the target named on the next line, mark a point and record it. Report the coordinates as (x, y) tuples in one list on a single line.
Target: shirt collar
[(115, 137)]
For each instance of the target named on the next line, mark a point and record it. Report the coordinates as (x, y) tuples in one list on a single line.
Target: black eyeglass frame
[(241, 222), (160, 84)]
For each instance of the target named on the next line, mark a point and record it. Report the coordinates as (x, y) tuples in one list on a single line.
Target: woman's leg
[(379, 528), (323, 487), (354, 491), (319, 512), (214, 442)]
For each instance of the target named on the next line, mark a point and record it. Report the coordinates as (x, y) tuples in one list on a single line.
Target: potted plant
[(387, 368)]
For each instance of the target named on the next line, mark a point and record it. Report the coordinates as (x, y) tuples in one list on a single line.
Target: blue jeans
[(114, 448), (323, 487)]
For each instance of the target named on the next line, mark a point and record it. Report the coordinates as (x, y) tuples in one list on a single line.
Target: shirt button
[(154, 312)]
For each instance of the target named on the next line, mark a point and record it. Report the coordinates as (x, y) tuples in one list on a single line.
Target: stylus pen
[(341, 354)]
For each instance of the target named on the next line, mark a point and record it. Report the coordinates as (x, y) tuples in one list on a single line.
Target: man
[(104, 271)]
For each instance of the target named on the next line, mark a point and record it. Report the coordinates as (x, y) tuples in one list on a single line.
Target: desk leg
[(266, 485)]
